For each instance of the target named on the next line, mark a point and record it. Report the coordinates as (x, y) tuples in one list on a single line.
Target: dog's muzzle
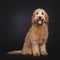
[(39, 21)]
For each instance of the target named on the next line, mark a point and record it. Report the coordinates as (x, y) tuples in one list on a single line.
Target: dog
[(37, 36)]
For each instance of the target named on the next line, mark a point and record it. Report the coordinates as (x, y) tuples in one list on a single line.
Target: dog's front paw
[(36, 54), (44, 53)]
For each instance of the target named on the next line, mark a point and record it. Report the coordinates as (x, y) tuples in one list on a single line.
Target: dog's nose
[(39, 17)]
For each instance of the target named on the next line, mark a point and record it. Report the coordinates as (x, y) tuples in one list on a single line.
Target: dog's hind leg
[(27, 49)]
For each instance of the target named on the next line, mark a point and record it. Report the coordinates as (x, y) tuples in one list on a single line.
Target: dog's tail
[(14, 52)]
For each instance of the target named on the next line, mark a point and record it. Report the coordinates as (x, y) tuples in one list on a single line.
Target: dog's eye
[(37, 13), (42, 13)]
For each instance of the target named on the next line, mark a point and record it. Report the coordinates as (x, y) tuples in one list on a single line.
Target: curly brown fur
[(36, 38)]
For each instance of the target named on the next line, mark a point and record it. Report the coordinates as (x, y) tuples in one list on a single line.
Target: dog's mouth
[(40, 21)]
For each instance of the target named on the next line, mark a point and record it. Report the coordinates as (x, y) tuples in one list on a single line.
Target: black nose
[(39, 17)]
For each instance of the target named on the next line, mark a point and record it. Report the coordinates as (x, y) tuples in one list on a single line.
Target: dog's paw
[(27, 53), (36, 54), (44, 53)]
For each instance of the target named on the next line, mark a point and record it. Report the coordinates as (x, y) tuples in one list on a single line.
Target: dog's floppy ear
[(33, 18), (46, 17)]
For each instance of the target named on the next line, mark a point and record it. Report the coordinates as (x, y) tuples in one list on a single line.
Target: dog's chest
[(41, 32)]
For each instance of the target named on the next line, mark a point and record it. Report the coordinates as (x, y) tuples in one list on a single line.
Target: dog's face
[(39, 16)]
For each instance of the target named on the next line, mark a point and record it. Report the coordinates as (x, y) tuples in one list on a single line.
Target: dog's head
[(39, 17)]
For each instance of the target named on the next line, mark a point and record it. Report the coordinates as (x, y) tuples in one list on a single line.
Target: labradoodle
[(36, 37)]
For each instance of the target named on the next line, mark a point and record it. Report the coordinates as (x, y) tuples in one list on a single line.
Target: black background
[(16, 20)]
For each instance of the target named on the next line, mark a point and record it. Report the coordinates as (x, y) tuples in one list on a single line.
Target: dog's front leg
[(35, 48), (43, 49)]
